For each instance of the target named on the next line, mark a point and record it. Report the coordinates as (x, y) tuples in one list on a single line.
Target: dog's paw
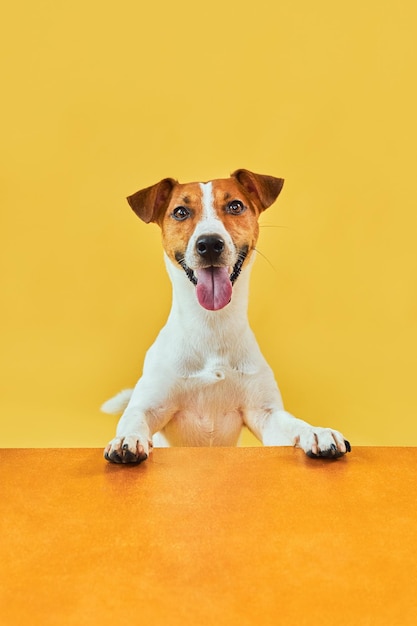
[(323, 443), (127, 449)]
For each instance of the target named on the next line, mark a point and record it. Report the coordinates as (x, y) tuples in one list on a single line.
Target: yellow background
[(102, 99)]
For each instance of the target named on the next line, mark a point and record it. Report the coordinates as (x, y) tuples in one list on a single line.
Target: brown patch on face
[(176, 232), (243, 227)]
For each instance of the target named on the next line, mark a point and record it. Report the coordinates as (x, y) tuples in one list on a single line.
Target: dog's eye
[(181, 213), (235, 207)]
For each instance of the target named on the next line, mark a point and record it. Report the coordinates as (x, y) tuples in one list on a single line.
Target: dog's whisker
[(273, 226), (266, 259)]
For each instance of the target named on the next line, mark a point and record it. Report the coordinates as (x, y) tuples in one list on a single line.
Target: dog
[(205, 377)]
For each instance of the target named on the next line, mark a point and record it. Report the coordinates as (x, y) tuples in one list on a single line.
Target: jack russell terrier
[(205, 377)]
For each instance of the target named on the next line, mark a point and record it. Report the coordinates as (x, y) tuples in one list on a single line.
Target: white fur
[(207, 201), (210, 223), (205, 377), (118, 403)]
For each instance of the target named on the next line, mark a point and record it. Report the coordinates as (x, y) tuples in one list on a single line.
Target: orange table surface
[(209, 536)]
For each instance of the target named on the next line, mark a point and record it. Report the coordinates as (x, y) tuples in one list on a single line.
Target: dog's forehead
[(226, 188), (219, 188), (186, 193)]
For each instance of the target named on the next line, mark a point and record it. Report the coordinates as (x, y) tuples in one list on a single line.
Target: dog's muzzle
[(213, 282)]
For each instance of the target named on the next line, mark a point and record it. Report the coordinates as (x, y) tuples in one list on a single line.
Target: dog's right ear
[(264, 188), (149, 203)]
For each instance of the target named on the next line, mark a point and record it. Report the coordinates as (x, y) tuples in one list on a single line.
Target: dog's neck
[(185, 304)]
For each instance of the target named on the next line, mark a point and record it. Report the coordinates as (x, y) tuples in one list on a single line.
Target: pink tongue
[(214, 288)]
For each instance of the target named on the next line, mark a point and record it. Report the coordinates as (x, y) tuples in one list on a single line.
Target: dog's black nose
[(210, 247)]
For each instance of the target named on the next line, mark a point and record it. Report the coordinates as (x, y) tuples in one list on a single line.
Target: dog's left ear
[(265, 189), (149, 203)]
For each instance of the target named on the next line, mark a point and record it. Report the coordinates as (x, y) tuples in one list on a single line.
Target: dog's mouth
[(214, 284)]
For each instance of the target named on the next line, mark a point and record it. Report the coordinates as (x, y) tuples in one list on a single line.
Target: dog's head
[(209, 229)]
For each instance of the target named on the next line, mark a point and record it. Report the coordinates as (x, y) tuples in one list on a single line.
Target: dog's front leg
[(133, 441), (276, 427)]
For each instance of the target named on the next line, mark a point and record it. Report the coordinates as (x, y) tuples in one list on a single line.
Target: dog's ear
[(149, 203), (263, 188)]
